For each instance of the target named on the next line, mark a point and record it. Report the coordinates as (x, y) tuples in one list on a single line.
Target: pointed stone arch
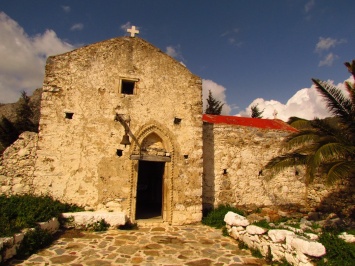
[(154, 142)]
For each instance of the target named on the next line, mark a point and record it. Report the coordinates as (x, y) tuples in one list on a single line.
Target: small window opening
[(127, 86), (119, 152), (177, 120), (69, 115), (225, 171)]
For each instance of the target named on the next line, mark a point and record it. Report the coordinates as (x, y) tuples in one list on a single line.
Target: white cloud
[(306, 103), (66, 9), (23, 58), (218, 92), (171, 51), (309, 5), (327, 43), (328, 60), (77, 26), (231, 36), (126, 26)]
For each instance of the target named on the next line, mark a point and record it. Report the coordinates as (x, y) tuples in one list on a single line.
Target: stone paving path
[(194, 245)]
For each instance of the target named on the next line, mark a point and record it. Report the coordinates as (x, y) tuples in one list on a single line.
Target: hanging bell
[(125, 140)]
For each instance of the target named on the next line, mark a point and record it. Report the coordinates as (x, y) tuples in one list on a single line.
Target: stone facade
[(91, 97)]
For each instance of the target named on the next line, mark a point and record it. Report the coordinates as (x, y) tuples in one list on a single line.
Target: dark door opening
[(149, 190)]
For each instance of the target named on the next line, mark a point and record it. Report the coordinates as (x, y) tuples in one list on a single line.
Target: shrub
[(98, 226), (33, 241), (215, 218), (19, 212), (338, 251), (128, 226)]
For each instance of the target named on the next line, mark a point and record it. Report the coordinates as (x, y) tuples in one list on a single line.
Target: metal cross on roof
[(133, 31)]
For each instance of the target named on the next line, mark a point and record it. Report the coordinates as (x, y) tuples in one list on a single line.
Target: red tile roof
[(248, 122)]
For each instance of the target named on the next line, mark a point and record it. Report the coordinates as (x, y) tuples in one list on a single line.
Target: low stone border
[(9, 245), (280, 244), (82, 219)]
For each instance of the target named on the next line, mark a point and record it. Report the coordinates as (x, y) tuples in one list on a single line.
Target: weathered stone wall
[(234, 157), (17, 165), (338, 198), (77, 160)]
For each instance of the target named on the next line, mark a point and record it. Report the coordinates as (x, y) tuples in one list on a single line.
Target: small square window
[(128, 86)]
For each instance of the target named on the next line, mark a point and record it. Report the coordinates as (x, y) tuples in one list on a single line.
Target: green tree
[(24, 115), (324, 146), (8, 133), (214, 107), (255, 111)]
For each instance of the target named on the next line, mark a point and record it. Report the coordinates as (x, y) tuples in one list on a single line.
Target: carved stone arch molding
[(154, 142)]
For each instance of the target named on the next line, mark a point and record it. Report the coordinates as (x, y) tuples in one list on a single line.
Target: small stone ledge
[(82, 219), (280, 243), (9, 245)]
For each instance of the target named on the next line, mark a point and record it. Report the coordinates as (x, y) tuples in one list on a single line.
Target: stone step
[(151, 222)]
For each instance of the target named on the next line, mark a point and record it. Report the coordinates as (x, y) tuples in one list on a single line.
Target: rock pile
[(275, 244)]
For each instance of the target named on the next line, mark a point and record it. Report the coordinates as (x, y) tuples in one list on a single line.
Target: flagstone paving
[(192, 245)]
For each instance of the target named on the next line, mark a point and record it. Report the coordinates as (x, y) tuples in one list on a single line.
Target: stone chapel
[(122, 130)]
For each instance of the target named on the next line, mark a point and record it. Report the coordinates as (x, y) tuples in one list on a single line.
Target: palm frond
[(336, 101), (324, 146), (332, 151), (280, 163), (311, 168), (351, 67), (331, 131), (351, 90), (340, 170), (299, 139), (299, 123)]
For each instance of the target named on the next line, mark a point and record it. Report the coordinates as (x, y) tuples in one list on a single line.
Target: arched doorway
[(149, 199), (152, 176)]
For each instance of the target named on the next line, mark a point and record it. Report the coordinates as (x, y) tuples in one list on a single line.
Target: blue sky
[(246, 51)]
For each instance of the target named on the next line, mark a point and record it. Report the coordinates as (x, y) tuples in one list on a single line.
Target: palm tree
[(326, 147)]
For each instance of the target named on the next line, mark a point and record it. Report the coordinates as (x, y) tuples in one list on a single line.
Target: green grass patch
[(295, 223), (315, 226), (338, 251), (350, 231), (256, 253), (20, 212), (263, 224), (215, 218), (281, 220), (242, 245), (281, 263)]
